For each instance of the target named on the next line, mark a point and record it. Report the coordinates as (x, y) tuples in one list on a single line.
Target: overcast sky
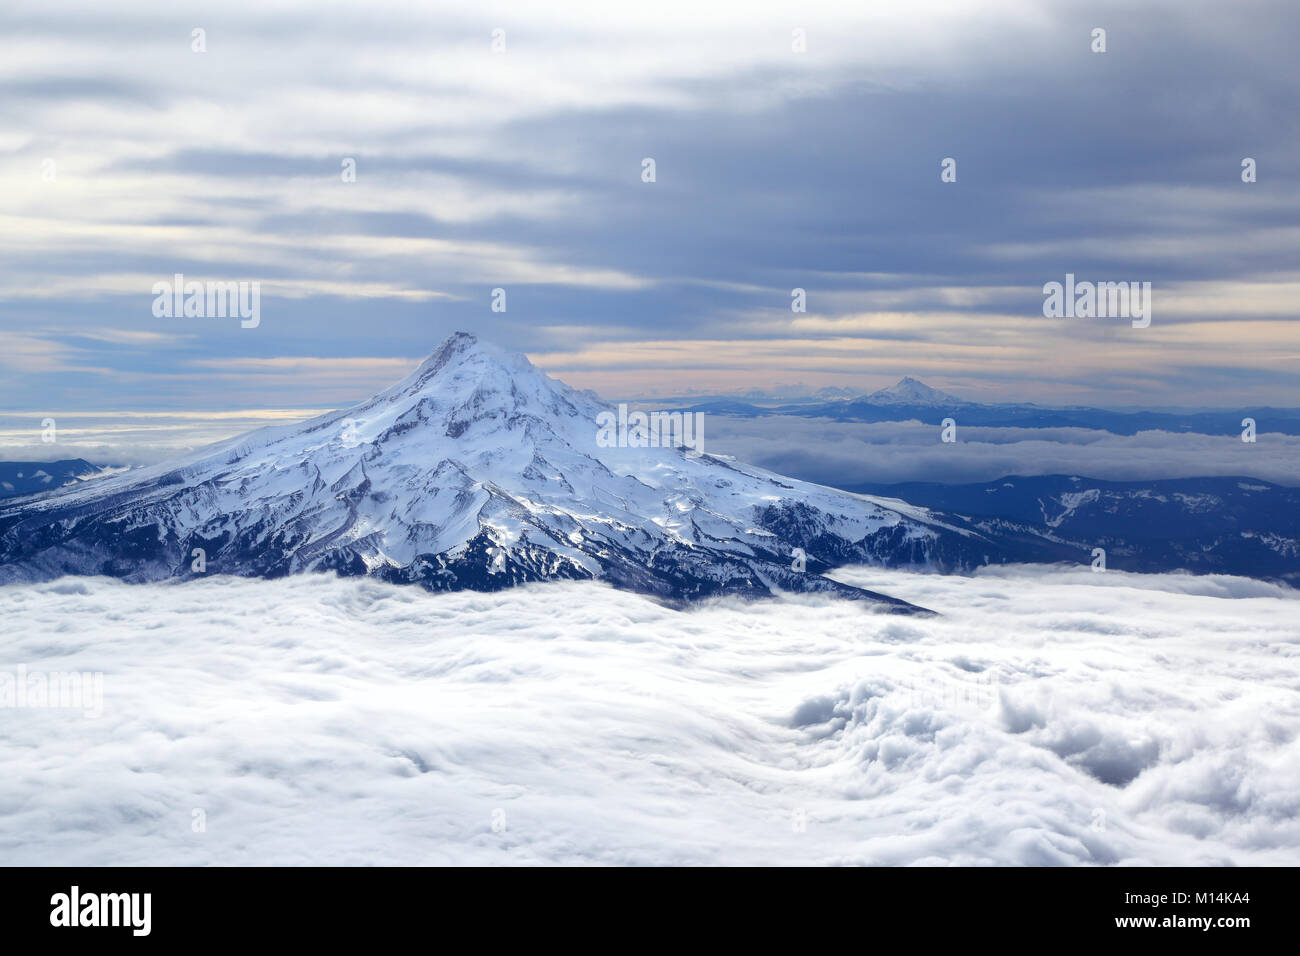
[(522, 170)]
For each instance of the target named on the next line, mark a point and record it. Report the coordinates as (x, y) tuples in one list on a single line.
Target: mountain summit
[(910, 391), (475, 471)]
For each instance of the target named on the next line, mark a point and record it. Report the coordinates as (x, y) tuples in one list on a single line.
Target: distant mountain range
[(906, 390), (910, 399), (1208, 525)]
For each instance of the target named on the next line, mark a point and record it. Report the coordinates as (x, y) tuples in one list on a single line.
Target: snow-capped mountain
[(479, 471), (836, 393), (910, 391)]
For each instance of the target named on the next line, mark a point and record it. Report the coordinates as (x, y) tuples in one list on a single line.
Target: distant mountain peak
[(911, 391), (835, 393)]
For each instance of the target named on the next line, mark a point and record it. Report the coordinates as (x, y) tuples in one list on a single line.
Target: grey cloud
[(821, 174)]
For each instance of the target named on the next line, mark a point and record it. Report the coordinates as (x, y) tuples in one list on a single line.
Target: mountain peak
[(911, 391), (460, 347), (463, 364), (472, 389), (458, 342)]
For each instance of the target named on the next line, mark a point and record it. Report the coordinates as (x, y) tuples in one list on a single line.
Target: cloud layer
[(1048, 717), (844, 454)]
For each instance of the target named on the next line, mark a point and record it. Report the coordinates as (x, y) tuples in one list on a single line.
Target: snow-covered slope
[(476, 471)]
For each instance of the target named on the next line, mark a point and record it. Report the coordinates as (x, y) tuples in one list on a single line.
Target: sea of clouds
[(1047, 716), (844, 454)]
